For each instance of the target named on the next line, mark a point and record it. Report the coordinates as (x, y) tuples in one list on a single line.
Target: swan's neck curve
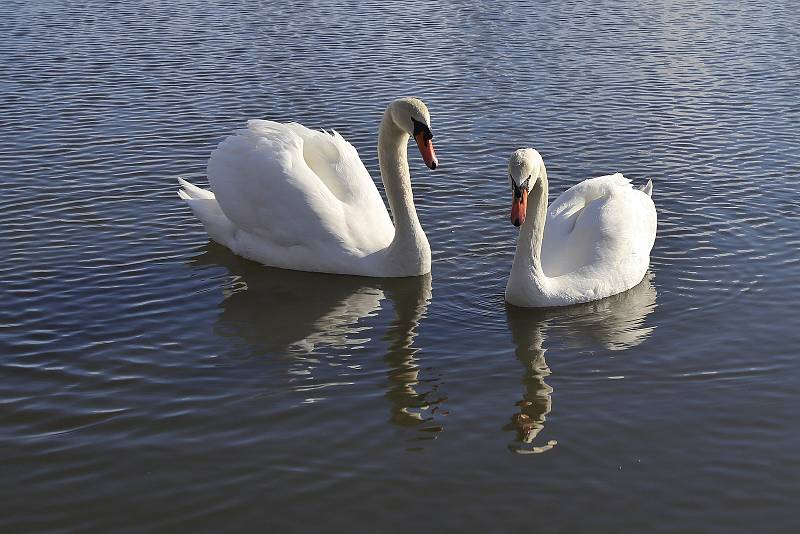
[(529, 245), (409, 251), (527, 283)]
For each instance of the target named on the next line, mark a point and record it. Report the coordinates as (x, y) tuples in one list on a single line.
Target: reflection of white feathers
[(338, 327), (615, 323), (275, 312), (279, 311)]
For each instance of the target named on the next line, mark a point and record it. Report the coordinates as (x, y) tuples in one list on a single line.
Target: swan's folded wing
[(619, 214), (293, 187), (579, 195), (598, 222), (337, 165)]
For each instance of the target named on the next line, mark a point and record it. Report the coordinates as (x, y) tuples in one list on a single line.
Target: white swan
[(596, 241), (290, 197)]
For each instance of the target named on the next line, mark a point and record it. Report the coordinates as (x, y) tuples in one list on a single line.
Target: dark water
[(150, 380)]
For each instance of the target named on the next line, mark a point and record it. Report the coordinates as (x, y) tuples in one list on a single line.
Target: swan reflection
[(275, 311), (278, 311), (410, 297), (614, 323)]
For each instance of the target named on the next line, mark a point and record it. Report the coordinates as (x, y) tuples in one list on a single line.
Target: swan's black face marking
[(421, 128), (519, 188)]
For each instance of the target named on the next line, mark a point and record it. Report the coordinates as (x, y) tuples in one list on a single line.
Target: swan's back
[(295, 187)]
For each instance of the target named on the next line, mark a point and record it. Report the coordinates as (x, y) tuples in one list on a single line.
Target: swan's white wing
[(296, 189), (577, 196), (336, 164), (602, 227)]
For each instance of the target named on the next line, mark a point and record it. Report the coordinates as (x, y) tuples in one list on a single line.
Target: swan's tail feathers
[(206, 208), (192, 192), (648, 188)]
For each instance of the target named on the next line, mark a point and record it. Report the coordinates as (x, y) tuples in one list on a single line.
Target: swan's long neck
[(529, 246), (410, 245)]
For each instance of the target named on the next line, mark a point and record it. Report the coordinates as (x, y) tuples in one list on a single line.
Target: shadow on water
[(269, 311), (613, 323)]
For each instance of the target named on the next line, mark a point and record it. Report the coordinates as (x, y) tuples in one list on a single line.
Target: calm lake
[(153, 381)]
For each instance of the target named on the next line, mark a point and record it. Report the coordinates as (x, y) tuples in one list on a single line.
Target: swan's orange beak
[(519, 206), (425, 145)]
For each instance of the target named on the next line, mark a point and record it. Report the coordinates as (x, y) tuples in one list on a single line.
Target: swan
[(594, 241), (290, 197)]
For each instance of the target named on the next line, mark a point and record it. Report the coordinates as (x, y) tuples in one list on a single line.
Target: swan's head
[(524, 168), (411, 115)]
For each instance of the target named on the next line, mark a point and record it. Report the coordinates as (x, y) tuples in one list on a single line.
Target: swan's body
[(290, 197), (593, 241)]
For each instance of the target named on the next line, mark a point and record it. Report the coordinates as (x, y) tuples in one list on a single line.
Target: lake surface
[(153, 381)]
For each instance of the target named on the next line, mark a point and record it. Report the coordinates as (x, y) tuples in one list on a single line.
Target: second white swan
[(593, 241), (290, 197)]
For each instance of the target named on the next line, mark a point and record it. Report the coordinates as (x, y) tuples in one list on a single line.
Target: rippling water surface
[(152, 380)]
